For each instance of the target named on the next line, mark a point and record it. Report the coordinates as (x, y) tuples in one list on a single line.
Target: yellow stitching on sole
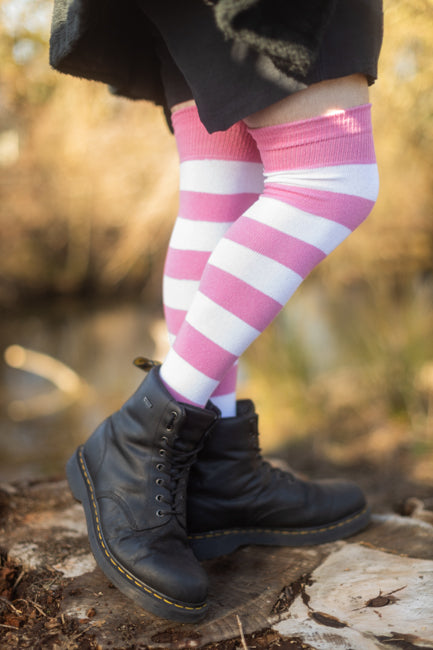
[(141, 586), (277, 530)]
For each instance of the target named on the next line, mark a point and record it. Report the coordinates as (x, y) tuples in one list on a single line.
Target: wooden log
[(372, 591)]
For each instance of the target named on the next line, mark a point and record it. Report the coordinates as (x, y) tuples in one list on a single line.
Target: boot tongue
[(187, 444), (195, 426)]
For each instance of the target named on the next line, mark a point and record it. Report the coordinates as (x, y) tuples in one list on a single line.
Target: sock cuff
[(342, 137), (195, 143)]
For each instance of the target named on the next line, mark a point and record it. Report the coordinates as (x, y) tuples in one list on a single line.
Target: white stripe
[(226, 404), (261, 272), (355, 180), (323, 233), (220, 326), (221, 176), (197, 235), (179, 294), (187, 380)]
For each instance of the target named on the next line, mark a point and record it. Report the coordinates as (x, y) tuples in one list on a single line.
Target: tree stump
[(374, 590)]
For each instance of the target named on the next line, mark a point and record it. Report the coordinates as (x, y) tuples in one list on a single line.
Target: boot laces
[(176, 470), (178, 463), (179, 460)]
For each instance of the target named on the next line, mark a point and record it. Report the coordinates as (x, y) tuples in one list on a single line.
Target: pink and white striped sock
[(321, 182), (221, 175)]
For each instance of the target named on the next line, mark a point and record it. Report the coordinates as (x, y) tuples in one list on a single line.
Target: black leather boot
[(131, 477), (237, 498)]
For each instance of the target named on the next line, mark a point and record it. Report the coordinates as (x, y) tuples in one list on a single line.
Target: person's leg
[(221, 175), (320, 184)]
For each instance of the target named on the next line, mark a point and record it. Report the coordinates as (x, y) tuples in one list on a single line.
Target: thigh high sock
[(221, 175), (320, 184)]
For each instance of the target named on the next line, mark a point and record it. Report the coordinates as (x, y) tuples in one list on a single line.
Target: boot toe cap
[(174, 572), (341, 499)]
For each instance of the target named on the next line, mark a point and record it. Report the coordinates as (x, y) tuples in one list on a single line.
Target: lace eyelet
[(162, 452), (164, 439), (160, 467), (158, 497), (159, 513), (170, 425), (159, 481)]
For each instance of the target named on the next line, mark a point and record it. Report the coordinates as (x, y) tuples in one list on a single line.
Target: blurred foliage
[(396, 241), (88, 181), (88, 192)]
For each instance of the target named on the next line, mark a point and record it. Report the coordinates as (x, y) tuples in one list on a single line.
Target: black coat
[(110, 40)]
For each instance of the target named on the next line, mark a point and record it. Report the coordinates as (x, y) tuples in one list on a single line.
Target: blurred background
[(343, 380)]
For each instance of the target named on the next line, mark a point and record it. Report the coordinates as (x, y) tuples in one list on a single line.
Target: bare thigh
[(318, 99)]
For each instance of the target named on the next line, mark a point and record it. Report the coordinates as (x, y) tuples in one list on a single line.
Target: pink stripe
[(239, 298), (185, 264), (285, 249), (174, 319), (194, 142), (344, 209), (222, 208), (228, 384), (202, 353), (341, 138)]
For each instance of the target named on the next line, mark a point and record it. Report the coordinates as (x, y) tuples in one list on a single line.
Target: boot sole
[(144, 595), (215, 543)]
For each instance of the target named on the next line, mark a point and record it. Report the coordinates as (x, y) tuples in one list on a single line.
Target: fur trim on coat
[(288, 31)]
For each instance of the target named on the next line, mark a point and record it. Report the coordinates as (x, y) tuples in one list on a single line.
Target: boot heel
[(75, 478)]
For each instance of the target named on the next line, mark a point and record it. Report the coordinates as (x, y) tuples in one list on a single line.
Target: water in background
[(96, 342), (358, 350)]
